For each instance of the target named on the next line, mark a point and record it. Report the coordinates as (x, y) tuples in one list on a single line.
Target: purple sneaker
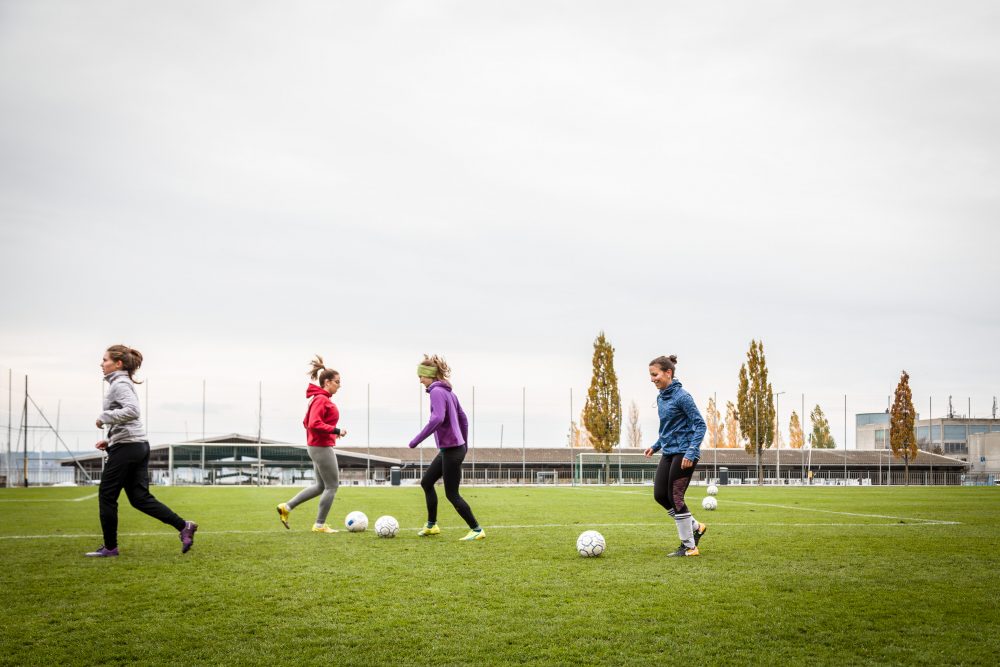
[(187, 536), (103, 553)]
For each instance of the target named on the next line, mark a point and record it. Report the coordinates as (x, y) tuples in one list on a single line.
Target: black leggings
[(447, 464), (671, 482), (128, 468)]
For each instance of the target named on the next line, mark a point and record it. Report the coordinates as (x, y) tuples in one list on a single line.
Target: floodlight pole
[(25, 422), (777, 431), (715, 445), (523, 421), (473, 434), (845, 439), (756, 437), (368, 436), (10, 410)]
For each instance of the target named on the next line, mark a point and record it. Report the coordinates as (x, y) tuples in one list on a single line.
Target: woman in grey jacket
[(128, 454)]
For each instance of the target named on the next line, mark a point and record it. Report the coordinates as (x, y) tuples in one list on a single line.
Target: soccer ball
[(590, 544), (386, 526), (710, 503), (356, 522), (712, 490)]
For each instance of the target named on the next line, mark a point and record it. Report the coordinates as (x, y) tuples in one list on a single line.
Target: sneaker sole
[(283, 521)]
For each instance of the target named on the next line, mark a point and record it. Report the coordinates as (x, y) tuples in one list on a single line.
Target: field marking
[(535, 526), (47, 500), (808, 509)]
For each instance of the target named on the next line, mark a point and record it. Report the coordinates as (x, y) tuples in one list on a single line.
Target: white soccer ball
[(712, 490), (710, 503), (356, 522), (386, 526), (590, 544)]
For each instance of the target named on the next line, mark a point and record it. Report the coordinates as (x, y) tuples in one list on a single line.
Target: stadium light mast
[(368, 434), (777, 431), (845, 439), (524, 393)]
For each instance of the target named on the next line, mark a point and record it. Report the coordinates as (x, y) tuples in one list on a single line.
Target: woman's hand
[(686, 463), (100, 424), (102, 445), (648, 452), (343, 433)]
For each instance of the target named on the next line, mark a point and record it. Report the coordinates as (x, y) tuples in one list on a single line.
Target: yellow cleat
[(474, 535), (324, 529), (283, 512), (427, 531)]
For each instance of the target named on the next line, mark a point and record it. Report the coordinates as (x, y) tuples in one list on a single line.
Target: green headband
[(427, 371)]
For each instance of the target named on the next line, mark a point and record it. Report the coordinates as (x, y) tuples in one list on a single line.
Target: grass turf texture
[(777, 582)]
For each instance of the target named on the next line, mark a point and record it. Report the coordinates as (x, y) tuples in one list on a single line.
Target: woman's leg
[(137, 487), (678, 480), (329, 471), (661, 485), (427, 482), (452, 473), (112, 481), (309, 492)]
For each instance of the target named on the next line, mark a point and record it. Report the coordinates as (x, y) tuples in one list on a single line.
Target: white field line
[(459, 529), (811, 509), (47, 500)]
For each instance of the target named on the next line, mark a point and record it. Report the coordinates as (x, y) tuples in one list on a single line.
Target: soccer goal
[(546, 477), (614, 468)]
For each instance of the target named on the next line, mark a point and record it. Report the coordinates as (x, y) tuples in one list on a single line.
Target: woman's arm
[(693, 452), (438, 409), (125, 396)]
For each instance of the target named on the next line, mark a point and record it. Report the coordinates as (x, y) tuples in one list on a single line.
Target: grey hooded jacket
[(121, 410)]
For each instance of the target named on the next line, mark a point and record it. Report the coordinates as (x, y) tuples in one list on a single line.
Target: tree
[(821, 437), (755, 403), (713, 425), (902, 438), (634, 429), (732, 426), (602, 413), (795, 436), (578, 436)]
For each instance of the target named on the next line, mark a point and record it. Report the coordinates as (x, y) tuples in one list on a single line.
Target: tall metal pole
[(25, 422), (930, 430), (802, 427), (756, 437), (10, 410), (203, 410), (571, 443), (845, 439), (473, 434), (420, 423), (368, 435), (715, 445), (523, 422), (260, 421), (777, 431)]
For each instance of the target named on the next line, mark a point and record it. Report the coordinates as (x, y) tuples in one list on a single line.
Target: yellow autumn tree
[(713, 425), (732, 439), (795, 436)]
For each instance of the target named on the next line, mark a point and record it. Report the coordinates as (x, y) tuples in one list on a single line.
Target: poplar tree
[(732, 426), (713, 425), (902, 438), (634, 428), (602, 413), (795, 437), (821, 437), (755, 403)]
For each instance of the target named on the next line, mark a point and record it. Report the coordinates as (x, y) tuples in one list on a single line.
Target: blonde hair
[(320, 373), (438, 362), (131, 359)]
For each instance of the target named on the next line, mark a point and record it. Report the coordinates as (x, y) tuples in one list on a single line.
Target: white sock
[(685, 530)]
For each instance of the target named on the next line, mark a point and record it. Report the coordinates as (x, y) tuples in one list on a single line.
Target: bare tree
[(634, 429)]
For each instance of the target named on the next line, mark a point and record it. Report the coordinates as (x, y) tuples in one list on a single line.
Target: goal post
[(614, 468)]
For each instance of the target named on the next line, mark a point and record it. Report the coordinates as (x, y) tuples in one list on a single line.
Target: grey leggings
[(327, 480)]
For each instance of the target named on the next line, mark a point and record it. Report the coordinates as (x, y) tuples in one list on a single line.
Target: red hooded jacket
[(321, 418)]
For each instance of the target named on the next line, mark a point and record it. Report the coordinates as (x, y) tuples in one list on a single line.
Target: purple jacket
[(448, 422)]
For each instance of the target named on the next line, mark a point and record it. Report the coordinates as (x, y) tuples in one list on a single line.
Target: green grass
[(779, 585)]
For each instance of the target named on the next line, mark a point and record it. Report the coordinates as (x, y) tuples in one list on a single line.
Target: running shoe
[(698, 534), (101, 552), (324, 529), (283, 512), (473, 535), (187, 536), (429, 530), (684, 551)]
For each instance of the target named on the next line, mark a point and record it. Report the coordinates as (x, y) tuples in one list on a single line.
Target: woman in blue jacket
[(681, 431)]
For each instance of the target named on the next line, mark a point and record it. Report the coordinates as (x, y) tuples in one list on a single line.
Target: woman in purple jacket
[(450, 427)]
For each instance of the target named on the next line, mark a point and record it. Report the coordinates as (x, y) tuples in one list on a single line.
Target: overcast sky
[(233, 187)]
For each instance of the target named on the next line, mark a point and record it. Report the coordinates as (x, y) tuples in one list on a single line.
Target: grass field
[(786, 576)]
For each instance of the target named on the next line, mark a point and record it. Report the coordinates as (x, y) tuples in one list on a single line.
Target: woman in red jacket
[(321, 436)]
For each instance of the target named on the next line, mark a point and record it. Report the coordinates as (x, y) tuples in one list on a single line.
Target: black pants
[(447, 464), (671, 482), (128, 468)]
